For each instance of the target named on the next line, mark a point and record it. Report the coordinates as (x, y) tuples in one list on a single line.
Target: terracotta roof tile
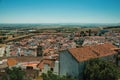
[(94, 51), (46, 61), (11, 62)]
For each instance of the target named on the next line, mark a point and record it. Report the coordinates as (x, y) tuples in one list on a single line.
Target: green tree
[(14, 74), (82, 33), (51, 76), (79, 41), (89, 32), (100, 70)]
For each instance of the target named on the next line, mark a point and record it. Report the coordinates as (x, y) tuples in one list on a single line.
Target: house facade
[(72, 61)]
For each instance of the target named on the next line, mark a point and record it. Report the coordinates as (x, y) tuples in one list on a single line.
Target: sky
[(59, 11)]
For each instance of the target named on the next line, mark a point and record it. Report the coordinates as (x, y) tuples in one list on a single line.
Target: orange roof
[(94, 51), (11, 62), (1, 36), (31, 64), (45, 61), (115, 49)]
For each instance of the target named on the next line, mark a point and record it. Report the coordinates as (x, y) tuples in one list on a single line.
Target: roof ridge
[(98, 54)]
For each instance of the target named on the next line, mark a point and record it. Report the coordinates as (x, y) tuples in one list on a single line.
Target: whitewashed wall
[(68, 64), (56, 68), (46, 68)]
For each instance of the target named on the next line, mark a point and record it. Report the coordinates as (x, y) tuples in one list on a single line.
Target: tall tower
[(39, 50)]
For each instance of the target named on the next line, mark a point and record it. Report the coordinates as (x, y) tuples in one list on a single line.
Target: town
[(62, 50)]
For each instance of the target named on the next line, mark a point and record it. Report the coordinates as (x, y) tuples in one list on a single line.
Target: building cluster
[(38, 53), (113, 37), (64, 54), (92, 40), (38, 65), (50, 44)]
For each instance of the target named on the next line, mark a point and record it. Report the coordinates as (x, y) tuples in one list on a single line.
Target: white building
[(72, 61), (2, 50)]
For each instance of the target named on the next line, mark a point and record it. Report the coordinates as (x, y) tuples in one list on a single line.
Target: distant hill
[(51, 25), (112, 27)]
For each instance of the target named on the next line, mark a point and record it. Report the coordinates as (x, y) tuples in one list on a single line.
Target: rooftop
[(94, 51), (11, 62)]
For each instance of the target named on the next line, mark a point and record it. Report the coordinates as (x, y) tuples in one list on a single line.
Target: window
[(51, 69), (29, 67)]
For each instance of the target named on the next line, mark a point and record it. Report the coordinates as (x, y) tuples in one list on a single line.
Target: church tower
[(39, 50)]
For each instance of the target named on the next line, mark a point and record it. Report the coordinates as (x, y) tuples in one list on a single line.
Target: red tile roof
[(87, 52), (11, 62), (45, 61)]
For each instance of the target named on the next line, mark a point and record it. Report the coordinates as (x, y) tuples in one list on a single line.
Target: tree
[(100, 70), (89, 32), (82, 33), (51, 76), (79, 41), (14, 74)]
